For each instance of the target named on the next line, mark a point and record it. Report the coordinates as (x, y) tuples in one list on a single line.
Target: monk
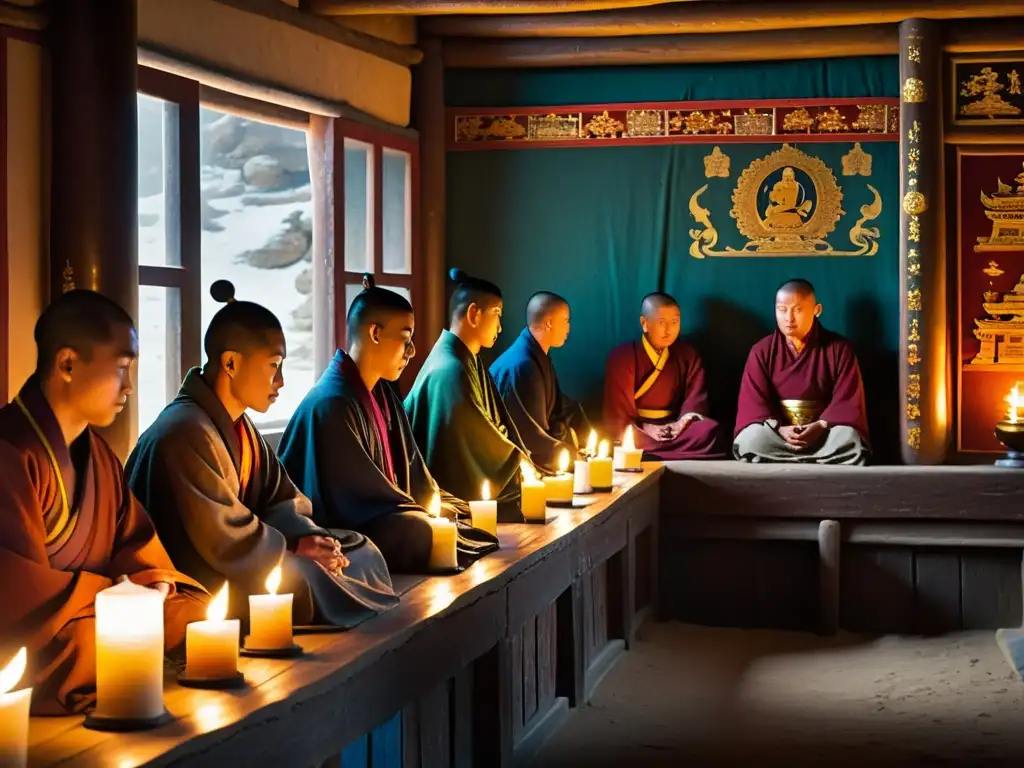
[(801, 397), (71, 528), (547, 421), (458, 417), (656, 385), (349, 444), (220, 499)]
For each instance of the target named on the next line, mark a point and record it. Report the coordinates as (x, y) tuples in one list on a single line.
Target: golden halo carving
[(817, 220), (914, 91), (914, 203)]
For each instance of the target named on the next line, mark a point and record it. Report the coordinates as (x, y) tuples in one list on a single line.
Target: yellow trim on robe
[(659, 365), (65, 510), (645, 413)]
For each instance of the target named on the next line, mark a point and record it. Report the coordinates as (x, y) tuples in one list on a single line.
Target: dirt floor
[(688, 695)]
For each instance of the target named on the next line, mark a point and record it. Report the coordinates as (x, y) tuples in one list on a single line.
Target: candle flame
[(218, 608), (526, 469), (592, 442), (1016, 401), (485, 491), (563, 461), (274, 581), (434, 510), (602, 450), (11, 674), (627, 439)]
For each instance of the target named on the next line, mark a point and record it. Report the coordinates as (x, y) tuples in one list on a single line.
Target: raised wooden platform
[(472, 669), (871, 549)]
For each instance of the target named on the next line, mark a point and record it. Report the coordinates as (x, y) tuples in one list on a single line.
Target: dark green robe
[(464, 429)]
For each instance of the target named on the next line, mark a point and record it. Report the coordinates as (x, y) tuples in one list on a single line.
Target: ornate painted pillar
[(924, 344), (94, 198)]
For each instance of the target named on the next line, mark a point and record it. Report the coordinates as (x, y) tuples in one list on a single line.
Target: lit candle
[(600, 468), (485, 512), (211, 646), (129, 652), (591, 449), (1016, 404), (626, 456), (443, 551), (534, 499), (581, 477), (14, 713), (270, 618), (559, 487)]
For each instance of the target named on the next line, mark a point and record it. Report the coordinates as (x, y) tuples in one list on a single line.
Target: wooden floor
[(471, 669)]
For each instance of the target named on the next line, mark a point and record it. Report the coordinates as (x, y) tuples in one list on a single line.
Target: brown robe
[(55, 556)]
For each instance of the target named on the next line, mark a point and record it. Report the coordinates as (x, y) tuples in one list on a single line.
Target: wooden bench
[(471, 669), (871, 549)]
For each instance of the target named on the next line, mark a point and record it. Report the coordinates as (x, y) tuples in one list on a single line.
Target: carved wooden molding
[(33, 16), (424, 7)]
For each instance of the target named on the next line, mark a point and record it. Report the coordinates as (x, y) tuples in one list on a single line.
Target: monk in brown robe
[(71, 527), (656, 385), (801, 397)]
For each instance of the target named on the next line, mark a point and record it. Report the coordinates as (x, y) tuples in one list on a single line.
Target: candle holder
[(223, 683), (1011, 435), (288, 652), (126, 724)]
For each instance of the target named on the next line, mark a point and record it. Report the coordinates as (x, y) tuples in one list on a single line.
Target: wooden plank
[(547, 648), (435, 728), (619, 596), (990, 589), (386, 744), (492, 706), (937, 592), (877, 589), (570, 659), (411, 735), (462, 718), (587, 582), (539, 586), (516, 680), (599, 578), (529, 669), (785, 583), (828, 576)]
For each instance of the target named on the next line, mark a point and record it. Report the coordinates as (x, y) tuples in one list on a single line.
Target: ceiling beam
[(433, 7), (869, 40), (23, 15), (714, 17)]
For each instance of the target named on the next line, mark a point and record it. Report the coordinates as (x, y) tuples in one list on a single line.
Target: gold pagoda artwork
[(983, 88), (1001, 333), (1005, 209)]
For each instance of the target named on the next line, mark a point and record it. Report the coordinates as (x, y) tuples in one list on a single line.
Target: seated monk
[(220, 499), (801, 397), (547, 421), (350, 448), (72, 528), (458, 418), (656, 384)]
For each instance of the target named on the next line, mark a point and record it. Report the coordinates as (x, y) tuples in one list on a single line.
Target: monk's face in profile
[(99, 383), (486, 321), (558, 325), (392, 344), (795, 313), (257, 376), (661, 326)]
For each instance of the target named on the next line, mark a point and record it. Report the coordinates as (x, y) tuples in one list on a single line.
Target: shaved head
[(542, 304), (654, 301), (374, 306), (798, 287), (547, 317), (660, 320), (796, 308)]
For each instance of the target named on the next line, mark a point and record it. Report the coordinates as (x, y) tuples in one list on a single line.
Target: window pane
[(159, 370), (396, 172), (159, 201), (258, 233), (358, 206)]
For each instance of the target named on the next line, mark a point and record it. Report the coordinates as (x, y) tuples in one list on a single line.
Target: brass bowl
[(1011, 434), (800, 412)]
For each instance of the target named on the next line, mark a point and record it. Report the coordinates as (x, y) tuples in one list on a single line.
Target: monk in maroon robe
[(656, 385), (801, 397), (71, 527)]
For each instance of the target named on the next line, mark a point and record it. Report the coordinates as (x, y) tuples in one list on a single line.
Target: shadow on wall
[(880, 373)]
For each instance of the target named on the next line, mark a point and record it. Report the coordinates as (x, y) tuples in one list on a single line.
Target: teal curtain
[(604, 226)]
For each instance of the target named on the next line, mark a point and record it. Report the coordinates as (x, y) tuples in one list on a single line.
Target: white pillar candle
[(270, 618), (14, 714), (600, 468), (534, 501), (581, 477), (626, 456), (443, 548), (129, 652), (485, 512), (211, 646), (559, 487)]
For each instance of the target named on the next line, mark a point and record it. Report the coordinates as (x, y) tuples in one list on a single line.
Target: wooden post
[(924, 340), (828, 576), (94, 199), (428, 112)]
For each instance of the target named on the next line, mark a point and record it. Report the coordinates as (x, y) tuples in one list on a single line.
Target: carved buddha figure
[(786, 211), (1019, 178)]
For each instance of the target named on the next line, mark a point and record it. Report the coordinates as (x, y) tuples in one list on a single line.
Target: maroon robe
[(55, 557), (679, 389), (825, 371)]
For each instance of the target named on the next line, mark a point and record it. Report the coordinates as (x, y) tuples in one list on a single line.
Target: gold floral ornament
[(914, 300), (914, 386), (914, 53), (604, 126), (993, 270), (506, 128), (915, 330), (644, 122), (914, 437), (914, 230), (831, 121), (554, 127), (68, 276), (913, 158), (914, 203), (1014, 79), (754, 123), (793, 223), (856, 162), (698, 122), (914, 134), (798, 121), (913, 411), (870, 118), (716, 164), (914, 91), (912, 357)]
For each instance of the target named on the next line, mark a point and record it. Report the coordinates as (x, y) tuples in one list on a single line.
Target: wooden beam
[(873, 40), (432, 7), (21, 17), (713, 18), (984, 37)]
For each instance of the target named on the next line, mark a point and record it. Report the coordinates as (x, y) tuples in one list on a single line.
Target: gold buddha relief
[(788, 207)]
